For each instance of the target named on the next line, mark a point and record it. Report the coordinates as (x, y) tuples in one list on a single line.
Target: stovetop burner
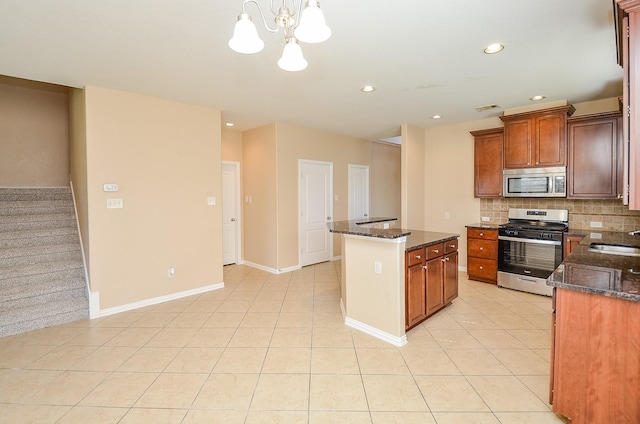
[(517, 224)]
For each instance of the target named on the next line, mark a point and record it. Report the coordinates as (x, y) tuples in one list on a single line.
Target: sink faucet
[(634, 233)]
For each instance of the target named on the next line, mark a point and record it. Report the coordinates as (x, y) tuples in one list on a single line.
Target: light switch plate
[(211, 201), (110, 187)]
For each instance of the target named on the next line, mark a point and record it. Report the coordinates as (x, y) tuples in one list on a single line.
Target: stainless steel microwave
[(535, 182)]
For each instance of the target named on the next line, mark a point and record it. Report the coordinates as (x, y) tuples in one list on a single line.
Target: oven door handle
[(527, 240)]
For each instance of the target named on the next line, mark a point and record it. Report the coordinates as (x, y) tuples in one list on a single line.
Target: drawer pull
[(447, 259), (424, 267), (481, 234), (481, 267), (418, 257), (453, 246), (435, 251), (482, 248)]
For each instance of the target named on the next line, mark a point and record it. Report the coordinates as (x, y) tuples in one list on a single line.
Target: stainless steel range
[(530, 248)]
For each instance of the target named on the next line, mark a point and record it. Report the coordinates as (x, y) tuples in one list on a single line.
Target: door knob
[(233, 220), (366, 214), (328, 218)]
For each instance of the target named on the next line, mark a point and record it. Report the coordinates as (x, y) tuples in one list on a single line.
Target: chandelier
[(306, 25)]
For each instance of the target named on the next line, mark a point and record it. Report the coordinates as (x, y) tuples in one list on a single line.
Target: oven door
[(529, 257)]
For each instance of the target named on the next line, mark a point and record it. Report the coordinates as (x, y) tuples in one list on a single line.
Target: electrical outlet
[(115, 204), (447, 215), (377, 267), (596, 224), (486, 219), (211, 201)]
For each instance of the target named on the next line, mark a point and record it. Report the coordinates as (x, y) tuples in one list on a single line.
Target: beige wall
[(259, 185), (166, 158), (412, 177), (78, 165), (296, 143), (385, 180), (231, 145), (34, 134)]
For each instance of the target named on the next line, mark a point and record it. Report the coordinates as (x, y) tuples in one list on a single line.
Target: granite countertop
[(484, 225), (415, 238), (600, 273)]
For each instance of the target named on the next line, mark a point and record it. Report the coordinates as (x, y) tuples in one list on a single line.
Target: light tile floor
[(274, 349)]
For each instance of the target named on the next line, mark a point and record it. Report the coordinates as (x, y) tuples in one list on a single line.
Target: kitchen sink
[(614, 249)]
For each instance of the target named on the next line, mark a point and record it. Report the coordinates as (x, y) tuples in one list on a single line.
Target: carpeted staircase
[(41, 270)]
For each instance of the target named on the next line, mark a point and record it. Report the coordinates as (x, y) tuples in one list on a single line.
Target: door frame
[(237, 186), (331, 208)]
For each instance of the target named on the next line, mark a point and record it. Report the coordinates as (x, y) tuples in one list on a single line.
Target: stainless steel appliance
[(530, 248), (535, 182)]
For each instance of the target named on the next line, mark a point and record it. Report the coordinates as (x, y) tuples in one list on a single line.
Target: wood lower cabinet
[(431, 280), (482, 255), (595, 165), (536, 139), (595, 362), (569, 243), (487, 162)]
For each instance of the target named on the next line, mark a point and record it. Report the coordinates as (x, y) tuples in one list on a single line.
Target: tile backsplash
[(613, 215)]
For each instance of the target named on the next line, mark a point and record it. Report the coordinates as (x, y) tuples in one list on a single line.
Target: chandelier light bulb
[(312, 27), (292, 59), (245, 36)]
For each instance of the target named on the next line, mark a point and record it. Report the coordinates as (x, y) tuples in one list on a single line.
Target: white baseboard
[(156, 300), (336, 258), (271, 270), (372, 331)]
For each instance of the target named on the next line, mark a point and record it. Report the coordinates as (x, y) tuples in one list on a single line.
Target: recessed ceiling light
[(493, 48), (229, 124), (368, 88), (536, 98), (436, 117)]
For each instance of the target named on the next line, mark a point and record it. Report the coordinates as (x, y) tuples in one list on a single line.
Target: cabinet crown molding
[(540, 112)]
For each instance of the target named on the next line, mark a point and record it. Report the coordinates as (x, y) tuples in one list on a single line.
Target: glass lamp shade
[(312, 27), (245, 36), (292, 59)]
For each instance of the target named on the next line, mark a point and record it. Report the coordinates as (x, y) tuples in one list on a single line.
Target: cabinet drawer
[(435, 250), (486, 249), (482, 234), (414, 257), (485, 269), (450, 246)]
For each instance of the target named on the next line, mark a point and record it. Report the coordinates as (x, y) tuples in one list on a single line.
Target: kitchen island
[(373, 283), (595, 355)]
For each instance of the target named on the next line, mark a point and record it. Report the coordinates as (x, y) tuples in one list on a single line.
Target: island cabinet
[(595, 358), (487, 162), (595, 165), (482, 255), (536, 139), (431, 280)]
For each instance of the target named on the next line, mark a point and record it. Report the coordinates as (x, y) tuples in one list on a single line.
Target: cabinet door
[(550, 142), (435, 292), (487, 162), (570, 243), (416, 295), (450, 277), (592, 171), (517, 143)]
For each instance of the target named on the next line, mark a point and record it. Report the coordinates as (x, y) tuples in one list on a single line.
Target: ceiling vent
[(487, 107)]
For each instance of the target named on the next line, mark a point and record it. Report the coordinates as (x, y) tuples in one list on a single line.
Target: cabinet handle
[(481, 234), (441, 260), (481, 267), (482, 248), (435, 251), (453, 246), (447, 259), (424, 267), (418, 257)]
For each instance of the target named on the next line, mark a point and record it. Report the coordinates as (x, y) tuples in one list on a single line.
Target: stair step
[(44, 193), (36, 237), (13, 223), (42, 274), (30, 208), (46, 254), (39, 294), (41, 317)]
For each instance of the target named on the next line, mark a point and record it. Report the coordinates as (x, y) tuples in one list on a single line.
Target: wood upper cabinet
[(595, 165), (628, 22), (536, 139), (487, 162)]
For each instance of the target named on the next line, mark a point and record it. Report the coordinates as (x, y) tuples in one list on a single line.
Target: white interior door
[(230, 212), (358, 191), (316, 192)]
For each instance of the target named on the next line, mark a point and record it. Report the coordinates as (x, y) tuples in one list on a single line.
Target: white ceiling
[(425, 57)]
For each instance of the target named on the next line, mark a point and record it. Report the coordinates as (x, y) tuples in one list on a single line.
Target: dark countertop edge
[(409, 248), (372, 220), (591, 290), (483, 226), (375, 233)]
